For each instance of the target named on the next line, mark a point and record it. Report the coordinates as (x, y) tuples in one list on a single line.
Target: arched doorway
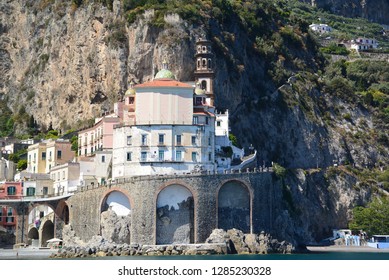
[(175, 216), (115, 220), (234, 207)]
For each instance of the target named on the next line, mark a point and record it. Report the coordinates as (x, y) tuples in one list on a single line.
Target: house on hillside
[(320, 28), (363, 44)]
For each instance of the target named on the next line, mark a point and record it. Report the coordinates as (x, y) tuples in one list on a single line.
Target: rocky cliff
[(374, 10)]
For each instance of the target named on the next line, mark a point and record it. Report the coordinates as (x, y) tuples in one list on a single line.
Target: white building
[(363, 44), (168, 126), (65, 178), (96, 169), (225, 151), (36, 184), (320, 28)]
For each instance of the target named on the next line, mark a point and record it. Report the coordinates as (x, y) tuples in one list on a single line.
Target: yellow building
[(42, 156)]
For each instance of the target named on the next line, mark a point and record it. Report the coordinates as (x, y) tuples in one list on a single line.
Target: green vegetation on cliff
[(373, 218)]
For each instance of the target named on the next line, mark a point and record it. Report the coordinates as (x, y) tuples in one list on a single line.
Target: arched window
[(204, 85), (204, 63), (198, 63), (209, 64)]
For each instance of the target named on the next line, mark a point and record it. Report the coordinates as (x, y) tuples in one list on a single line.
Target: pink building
[(11, 190), (98, 137)]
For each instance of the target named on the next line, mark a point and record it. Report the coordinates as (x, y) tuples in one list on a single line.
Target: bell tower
[(204, 67)]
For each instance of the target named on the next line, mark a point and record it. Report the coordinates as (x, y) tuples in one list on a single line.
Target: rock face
[(115, 228), (240, 243), (56, 59), (219, 242), (60, 59), (374, 10)]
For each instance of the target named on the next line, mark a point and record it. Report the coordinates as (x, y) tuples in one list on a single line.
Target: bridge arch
[(115, 216), (33, 237), (175, 211), (234, 206), (47, 232), (41, 227)]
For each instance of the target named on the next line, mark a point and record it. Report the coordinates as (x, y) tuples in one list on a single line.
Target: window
[(178, 156), (204, 84), (9, 211), (102, 159), (30, 191), (161, 155), (209, 141), (161, 139), (193, 140), (11, 190), (45, 190), (129, 140), (178, 139), (91, 150), (143, 156), (43, 155), (59, 154), (195, 120), (63, 175), (85, 151), (131, 100), (206, 120), (144, 140), (194, 156), (129, 156), (209, 156), (209, 64)]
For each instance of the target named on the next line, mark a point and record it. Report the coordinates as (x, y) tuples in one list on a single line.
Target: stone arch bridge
[(168, 209)]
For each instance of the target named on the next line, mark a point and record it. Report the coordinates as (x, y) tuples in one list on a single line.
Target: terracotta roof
[(163, 83)]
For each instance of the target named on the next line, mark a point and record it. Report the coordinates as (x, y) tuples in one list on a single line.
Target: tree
[(373, 218), (22, 164)]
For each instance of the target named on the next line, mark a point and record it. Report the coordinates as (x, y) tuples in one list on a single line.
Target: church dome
[(164, 74), (130, 90)]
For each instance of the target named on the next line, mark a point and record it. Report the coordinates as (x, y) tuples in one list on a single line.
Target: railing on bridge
[(131, 179)]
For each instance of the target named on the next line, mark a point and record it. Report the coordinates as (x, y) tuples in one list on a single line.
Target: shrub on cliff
[(373, 218)]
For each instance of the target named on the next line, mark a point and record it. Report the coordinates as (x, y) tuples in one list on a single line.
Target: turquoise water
[(309, 256)]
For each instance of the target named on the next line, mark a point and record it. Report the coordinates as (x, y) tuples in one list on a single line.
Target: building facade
[(98, 137), (167, 128), (42, 156), (363, 44), (65, 178), (320, 28)]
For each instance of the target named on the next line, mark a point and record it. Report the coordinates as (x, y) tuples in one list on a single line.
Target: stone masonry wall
[(85, 206)]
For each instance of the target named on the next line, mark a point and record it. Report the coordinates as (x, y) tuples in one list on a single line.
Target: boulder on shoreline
[(220, 242)]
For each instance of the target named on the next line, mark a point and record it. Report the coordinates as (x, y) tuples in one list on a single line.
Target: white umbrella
[(54, 240)]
